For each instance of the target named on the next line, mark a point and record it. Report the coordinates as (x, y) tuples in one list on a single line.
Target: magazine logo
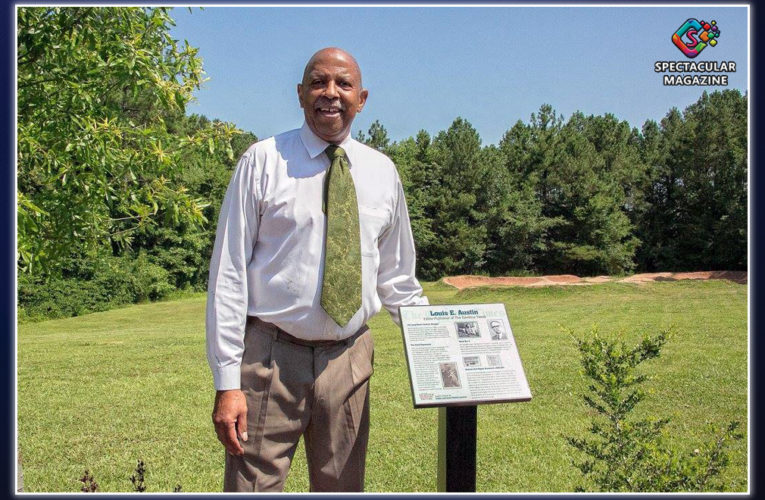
[(698, 34), (691, 38)]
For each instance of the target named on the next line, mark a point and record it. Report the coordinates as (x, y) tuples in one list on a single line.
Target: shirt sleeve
[(227, 300), (396, 282)]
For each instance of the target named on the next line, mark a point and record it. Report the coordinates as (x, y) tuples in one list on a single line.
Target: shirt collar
[(315, 145)]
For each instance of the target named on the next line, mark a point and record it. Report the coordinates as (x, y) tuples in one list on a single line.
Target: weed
[(138, 478), (89, 484)]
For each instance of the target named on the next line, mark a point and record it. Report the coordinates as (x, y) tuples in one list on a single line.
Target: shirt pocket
[(372, 222)]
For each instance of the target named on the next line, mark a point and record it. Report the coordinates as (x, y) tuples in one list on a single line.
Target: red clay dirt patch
[(466, 281)]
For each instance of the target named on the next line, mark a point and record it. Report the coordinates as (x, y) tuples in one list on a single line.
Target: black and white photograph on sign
[(471, 361), (497, 330), (449, 375), (468, 329), (494, 360)]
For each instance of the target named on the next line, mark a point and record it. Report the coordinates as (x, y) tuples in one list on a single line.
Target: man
[(497, 332), (313, 238)]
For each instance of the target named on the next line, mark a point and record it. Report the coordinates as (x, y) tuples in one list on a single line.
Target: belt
[(279, 334)]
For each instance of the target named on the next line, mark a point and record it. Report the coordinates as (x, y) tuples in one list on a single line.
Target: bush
[(87, 286), (151, 281), (183, 252), (629, 454)]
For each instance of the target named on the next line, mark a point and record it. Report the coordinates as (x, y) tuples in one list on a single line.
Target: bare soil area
[(466, 281)]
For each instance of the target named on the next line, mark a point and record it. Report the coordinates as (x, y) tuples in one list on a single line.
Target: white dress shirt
[(268, 258)]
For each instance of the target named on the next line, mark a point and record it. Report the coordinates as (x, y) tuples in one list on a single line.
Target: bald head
[(331, 93), (332, 53)]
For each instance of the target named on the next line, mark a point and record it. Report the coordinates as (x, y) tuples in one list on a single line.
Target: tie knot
[(334, 152)]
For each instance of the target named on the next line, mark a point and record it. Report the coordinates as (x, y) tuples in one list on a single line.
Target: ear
[(362, 99), (300, 94)]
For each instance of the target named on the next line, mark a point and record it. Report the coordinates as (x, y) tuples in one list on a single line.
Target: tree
[(695, 210), (518, 233), (571, 182), (96, 160), (184, 249), (455, 204), (714, 234), (413, 160), (663, 148), (378, 137), (600, 176)]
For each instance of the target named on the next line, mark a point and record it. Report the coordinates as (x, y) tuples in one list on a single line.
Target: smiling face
[(331, 94)]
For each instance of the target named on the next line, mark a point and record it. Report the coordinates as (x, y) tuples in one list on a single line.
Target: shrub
[(86, 286), (624, 453), (152, 282), (183, 252)]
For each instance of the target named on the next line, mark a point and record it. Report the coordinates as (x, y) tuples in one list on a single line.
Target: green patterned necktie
[(341, 288)]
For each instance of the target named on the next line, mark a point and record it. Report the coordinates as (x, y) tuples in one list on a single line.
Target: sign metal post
[(457, 429)]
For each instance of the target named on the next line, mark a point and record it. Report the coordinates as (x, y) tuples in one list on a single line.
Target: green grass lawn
[(101, 391)]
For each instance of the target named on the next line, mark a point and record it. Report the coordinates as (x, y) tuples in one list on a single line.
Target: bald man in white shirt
[(282, 367)]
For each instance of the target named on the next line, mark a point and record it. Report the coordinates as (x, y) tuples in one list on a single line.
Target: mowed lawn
[(101, 391)]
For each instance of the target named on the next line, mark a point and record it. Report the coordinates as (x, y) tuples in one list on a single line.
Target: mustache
[(329, 103)]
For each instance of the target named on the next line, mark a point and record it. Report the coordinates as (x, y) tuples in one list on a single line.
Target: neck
[(337, 142)]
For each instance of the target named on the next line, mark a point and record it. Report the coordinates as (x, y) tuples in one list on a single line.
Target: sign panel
[(462, 355)]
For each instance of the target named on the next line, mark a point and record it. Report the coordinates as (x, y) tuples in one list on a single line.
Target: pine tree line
[(586, 196)]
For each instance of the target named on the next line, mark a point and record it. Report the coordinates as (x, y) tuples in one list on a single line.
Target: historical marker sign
[(462, 355)]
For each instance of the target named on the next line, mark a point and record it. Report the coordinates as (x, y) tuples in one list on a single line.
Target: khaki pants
[(293, 388)]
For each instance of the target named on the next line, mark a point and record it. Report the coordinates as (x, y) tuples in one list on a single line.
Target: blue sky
[(425, 66)]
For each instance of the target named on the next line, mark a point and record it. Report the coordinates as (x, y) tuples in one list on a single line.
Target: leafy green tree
[(96, 160), (183, 249), (163, 256)]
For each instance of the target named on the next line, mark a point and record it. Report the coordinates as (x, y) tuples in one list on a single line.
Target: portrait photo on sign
[(497, 330)]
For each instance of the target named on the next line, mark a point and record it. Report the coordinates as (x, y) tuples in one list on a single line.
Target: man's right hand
[(230, 419)]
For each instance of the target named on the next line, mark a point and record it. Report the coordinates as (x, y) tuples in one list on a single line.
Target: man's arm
[(227, 299), (396, 282)]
